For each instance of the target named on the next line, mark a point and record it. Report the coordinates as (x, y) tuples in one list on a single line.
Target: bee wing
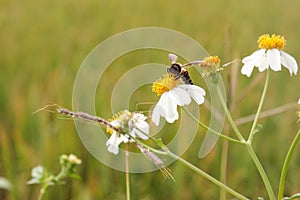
[(196, 62), (173, 58), (229, 63)]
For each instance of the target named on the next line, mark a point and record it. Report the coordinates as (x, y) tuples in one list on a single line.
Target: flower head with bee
[(172, 93)]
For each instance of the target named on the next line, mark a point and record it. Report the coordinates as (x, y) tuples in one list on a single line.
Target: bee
[(179, 71)]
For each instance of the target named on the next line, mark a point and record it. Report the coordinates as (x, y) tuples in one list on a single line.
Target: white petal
[(113, 143), (156, 114), (116, 123), (273, 56), (143, 126), (123, 138), (180, 95), (247, 69), (262, 63), (166, 107), (289, 62), (255, 59), (170, 108), (139, 116), (141, 130), (37, 172), (196, 92), (137, 133), (113, 149)]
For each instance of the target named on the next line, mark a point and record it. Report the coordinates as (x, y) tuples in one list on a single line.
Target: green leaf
[(159, 142), (75, 176)]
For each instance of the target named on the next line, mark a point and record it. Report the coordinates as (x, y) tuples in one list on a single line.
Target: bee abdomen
[(186, 78)]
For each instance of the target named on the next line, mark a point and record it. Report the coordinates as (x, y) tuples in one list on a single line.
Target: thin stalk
[(250, 138), (248, 143), (261, 171), (127, 174), (262, 99), (229, 117), (42, 192), (205, 175), (223, 167), (167, 152), (212, 130), (286, 165)]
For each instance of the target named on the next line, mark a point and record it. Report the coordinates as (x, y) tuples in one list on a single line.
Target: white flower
[(173, 94), (270, 55), (74, 159), (134, 123), (138, 126), (114, 141)]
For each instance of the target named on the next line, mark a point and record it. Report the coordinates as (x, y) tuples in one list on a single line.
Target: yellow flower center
[(164, 84), (213, 60), (271, 42), (210, 65), (120, 120)]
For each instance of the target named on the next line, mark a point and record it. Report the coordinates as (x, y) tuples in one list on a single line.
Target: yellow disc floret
[(119, 120), (213, 60), (271, 42), (164, 84), (210, 65)]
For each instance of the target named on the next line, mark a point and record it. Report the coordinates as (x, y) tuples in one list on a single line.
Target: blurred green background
[(43, 43)]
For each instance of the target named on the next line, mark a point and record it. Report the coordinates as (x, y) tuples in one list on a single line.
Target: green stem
[(205, 175), (286, 165), (262, 99), (212, 130), (250, 138), (231, 121), (223, 167), (42, 191), (261, 171), (248, 143), (127, 174), (166, 151)]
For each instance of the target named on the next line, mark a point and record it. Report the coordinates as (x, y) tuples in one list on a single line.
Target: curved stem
[(229, 117), (212, 130), (261, 171), (167, 152), (205, 175), (262, 99), (249, 142), (286, 165), (252, 132)]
